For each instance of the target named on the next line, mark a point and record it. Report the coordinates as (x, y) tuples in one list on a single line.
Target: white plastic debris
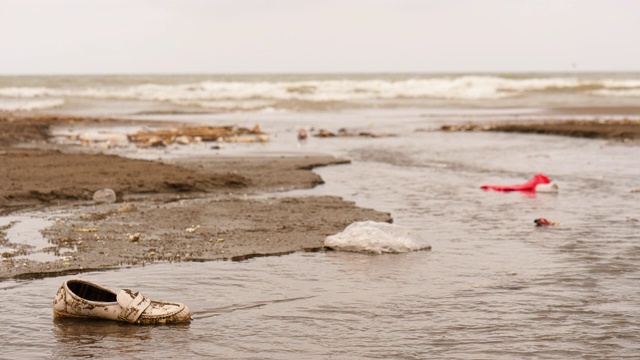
[(549, 188), (376, 238), (104, 196)]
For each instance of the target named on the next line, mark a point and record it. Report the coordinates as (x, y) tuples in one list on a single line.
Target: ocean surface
[(157, 94), (493, 285)]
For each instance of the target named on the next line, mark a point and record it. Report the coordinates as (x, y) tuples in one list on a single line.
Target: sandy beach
[(195, 210)]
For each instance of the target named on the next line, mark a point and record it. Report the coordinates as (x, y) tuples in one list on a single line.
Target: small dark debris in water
[(322, 133), (256, 255), (302, 134), (465, 127), (513, 288), (544, 222)]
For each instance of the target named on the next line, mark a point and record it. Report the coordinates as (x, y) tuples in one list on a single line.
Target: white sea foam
[(621, 84), (274, 92), (246, 105), (376, 238), (618, 92), (29, 105), (25, 92)]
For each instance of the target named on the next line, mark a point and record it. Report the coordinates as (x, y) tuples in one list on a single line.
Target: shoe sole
[(153, 321), (60, 314)]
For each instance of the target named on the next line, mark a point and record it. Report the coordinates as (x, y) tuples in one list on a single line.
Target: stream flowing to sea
[(494, 285)]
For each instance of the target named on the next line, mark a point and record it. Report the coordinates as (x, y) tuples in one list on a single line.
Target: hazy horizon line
[(293, 73)]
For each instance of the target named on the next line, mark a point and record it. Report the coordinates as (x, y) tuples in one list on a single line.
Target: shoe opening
[(90, 292)]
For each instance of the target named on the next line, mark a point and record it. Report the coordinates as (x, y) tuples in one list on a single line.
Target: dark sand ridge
[(622, 130)]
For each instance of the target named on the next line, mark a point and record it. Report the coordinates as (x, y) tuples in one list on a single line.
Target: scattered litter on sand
[(86, 230), (161, 137), (192, 229), (196, 134)]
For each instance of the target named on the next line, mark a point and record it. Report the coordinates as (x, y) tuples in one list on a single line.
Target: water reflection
[(103, 338), (24, 236)]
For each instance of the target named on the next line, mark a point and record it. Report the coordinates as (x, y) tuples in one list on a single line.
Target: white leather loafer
[(79, 298)]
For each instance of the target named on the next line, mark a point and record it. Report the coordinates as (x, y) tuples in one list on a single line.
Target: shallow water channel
[(493, 285)]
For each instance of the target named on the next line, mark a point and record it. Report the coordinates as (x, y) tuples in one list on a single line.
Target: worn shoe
[(79, 298)]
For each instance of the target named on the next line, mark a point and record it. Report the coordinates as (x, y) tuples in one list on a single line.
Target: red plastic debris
[(528, 186), (544, 222)]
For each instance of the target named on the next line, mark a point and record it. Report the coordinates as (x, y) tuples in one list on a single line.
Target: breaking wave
[(282, 92), (15, 105)]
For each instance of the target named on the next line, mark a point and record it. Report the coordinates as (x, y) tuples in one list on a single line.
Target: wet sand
[(190, 210), (620, 130), (193, 210)]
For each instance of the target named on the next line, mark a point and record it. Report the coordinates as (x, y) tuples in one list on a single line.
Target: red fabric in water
[(528, 186)]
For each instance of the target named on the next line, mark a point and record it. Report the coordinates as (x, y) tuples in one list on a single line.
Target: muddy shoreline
[(616, 130), (190, 210)]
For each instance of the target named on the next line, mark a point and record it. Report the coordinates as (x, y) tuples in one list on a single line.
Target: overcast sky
[(253, 36)]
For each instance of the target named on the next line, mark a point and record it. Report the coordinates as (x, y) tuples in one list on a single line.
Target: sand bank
[(190, 210), (622, 130)]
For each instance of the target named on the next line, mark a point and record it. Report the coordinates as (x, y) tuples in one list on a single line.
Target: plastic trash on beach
[(104, 196), (376, 238), (196, 134), (544, 222), (539, 182), (547, 188)]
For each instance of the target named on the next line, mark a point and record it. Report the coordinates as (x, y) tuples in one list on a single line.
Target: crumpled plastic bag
[(376, 238)]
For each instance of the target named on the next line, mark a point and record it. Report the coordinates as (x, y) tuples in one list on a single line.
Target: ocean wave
[(622, 84), (11, 105), (239, 105), (633, 92), (25, 92), (260, 94)]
